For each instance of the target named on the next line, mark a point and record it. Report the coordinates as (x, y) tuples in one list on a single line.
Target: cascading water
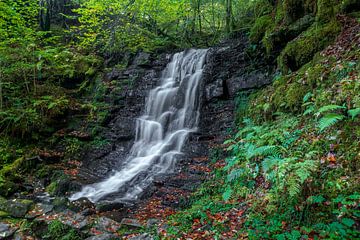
[(172, 112)]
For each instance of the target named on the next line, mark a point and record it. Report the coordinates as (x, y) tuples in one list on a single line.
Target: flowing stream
[(171, 113)]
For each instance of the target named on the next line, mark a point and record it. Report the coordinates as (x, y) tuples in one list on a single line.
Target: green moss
[(326, 10), (276, 38), (3, 214), (258, 30), (51, 188), (301, 50)]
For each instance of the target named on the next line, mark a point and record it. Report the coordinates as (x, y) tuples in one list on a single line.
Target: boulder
[(17, 207), (109, 206)]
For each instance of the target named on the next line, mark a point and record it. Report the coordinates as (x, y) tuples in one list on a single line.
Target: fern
[(269, 150), (309, 110), (328, 108), (300, 172), (227, 194), (270, 162), (329, 120), (293, 186), (308, 96), (354, 112), (235, 174)]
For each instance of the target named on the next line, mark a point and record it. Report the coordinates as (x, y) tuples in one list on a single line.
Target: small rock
[(81, 204), (77, 221), (38, 210), (152, 222), (6, 231), (131, 222)]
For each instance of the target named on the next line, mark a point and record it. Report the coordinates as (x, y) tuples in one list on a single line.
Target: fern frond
[(294, 188), (328, 108), (270, 162), (269, 150), (354, 112), (235, 174), (227, 194), (329, 120), (231, 162), (307, 97), (309, 110)]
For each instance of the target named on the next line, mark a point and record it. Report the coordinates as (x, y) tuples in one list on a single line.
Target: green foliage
[(329, 120), (59, 231), (259, 28), (354, 112)]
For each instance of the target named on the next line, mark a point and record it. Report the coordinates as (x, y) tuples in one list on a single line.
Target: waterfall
[(171, 113)]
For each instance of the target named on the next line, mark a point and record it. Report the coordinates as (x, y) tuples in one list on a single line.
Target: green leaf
[(347, 222), (329, 120), (330, 108), (307, 97), (227, 194), (354, 112)]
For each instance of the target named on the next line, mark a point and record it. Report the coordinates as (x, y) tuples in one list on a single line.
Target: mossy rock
[(302, 50), (326, 10), (16, 208), (275, 40), (259, 28)]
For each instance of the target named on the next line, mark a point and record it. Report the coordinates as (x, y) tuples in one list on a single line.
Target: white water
[(172, 112)]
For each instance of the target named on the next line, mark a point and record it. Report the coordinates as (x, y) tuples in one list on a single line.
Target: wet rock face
[(128, 104), (229, 70)]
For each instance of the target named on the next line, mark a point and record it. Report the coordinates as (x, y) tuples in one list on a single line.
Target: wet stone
[(16, 207), (6, 231), (39, 210), (152, 222), (109, 206)]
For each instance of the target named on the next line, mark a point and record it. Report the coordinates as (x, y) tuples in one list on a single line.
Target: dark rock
[(64, 186), (106, 225), (215, 90), (109, 206), (38, 210), (152, 222), (77, 220), (81, 204), (142, 59), (255, 79), (16, 207), (60, 204)]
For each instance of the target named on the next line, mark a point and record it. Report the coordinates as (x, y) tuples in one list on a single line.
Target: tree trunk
[(228, 16)]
